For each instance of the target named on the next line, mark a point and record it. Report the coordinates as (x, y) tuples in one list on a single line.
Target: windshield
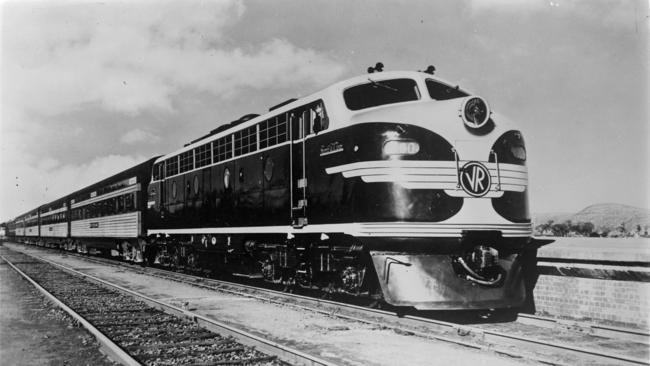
[(376, 93), (440, 91)]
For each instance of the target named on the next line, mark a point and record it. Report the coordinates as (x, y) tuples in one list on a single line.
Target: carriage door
[(298, 133)]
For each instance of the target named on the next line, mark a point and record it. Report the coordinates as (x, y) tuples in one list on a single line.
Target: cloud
[(609, 13), (139, 136), (130, 57), (62, 60), (33, 185), (481, 6)]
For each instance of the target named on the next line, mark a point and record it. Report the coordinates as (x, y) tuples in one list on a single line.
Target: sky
[(89, 88)]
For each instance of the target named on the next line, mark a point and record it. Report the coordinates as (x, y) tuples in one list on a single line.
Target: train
[(397, 186)]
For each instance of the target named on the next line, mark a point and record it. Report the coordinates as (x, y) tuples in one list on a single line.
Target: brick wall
[(622, 303)]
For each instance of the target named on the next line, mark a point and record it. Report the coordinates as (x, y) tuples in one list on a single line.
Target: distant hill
[(603, 216)]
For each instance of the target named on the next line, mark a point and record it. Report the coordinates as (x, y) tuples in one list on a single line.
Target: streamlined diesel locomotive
[(395, 185)]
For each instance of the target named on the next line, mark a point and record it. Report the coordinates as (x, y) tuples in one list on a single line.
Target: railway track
[(533, 338), (136, 330)]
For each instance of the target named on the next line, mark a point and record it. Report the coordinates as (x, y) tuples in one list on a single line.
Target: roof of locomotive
[(331, 95)]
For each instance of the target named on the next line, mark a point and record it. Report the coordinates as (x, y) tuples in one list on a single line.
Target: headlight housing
[(401, 147), (510, 148), (519, 152), (475, 112)]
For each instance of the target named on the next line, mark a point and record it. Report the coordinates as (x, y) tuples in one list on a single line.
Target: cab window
[(376, 93), (440, 91)]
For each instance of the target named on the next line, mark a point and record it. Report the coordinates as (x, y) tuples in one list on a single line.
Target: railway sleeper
[(132, 324), (189, 341), (184, 352), (244, 361), (143, 309), (125, 318), (126, 334)]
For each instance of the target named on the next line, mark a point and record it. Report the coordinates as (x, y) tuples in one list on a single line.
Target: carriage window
[(223, 149), (130, 203), (172, 166), (120, 204), (376, 93), (202, 155), (187, 161), (246, 140), (440, 91)]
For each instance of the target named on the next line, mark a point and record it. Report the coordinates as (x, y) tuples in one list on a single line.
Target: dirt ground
[(34, 332), (338, 341)]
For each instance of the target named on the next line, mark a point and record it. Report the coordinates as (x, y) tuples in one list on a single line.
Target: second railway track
[(532, 338), (136, 330)]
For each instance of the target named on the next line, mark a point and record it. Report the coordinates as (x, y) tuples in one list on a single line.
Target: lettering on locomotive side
[(331, 148)]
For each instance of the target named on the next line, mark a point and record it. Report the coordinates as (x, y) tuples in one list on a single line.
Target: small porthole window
[(268, 169), (196, 184), (226, 178), (174, 189)]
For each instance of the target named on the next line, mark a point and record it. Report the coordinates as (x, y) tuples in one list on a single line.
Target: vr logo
[(475, 179)]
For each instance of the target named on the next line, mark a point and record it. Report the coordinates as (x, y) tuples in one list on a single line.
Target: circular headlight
[(475, 112)]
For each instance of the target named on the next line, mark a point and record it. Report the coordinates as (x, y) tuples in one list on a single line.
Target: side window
[(120, 204), (157, 171), (273, 131), (129, 202), (187, 161), (246, 140), (319, 119), (222, 149), (172, 166), (308, 119), (202, 155)]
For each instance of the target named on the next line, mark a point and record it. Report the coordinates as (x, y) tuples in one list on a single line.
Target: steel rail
[(477, 332), (284, 353), (112, 350), (634, 335)]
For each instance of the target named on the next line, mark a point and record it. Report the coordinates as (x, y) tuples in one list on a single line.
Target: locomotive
[(395, 185)]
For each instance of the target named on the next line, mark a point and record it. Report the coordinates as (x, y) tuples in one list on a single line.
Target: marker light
[(401, 147)]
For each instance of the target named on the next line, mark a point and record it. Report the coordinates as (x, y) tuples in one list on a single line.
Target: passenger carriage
[(54, 224), (107, 217)]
